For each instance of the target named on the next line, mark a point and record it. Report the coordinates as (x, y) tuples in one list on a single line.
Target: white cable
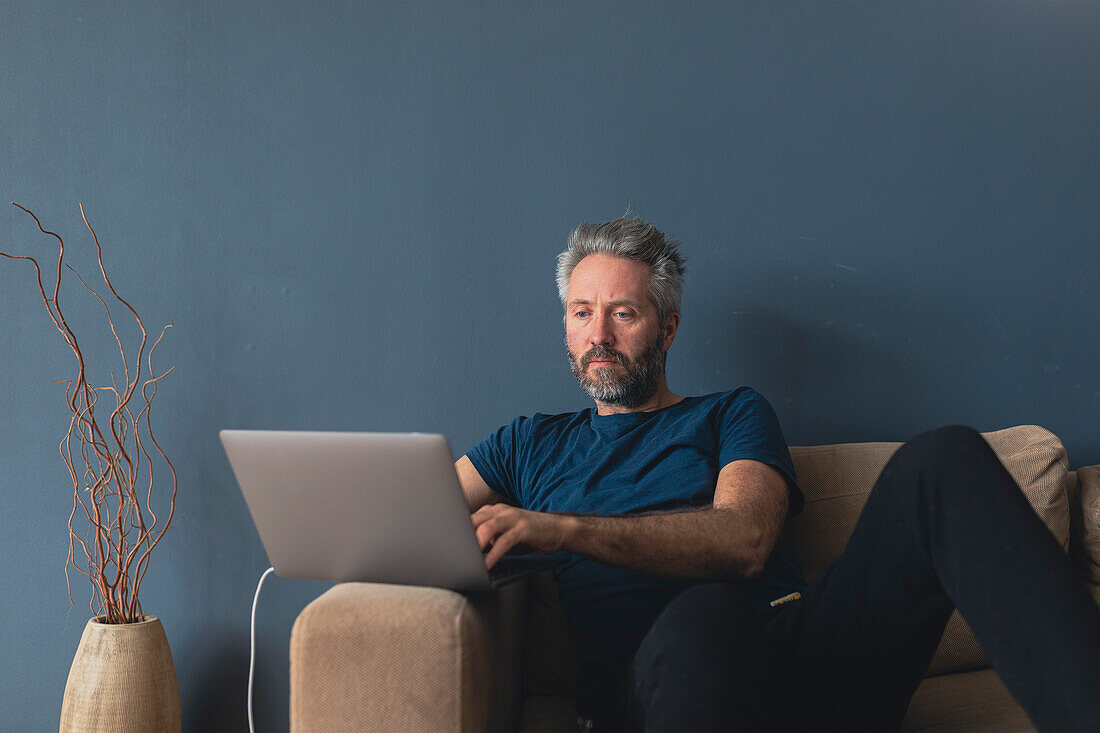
[(252, 657)]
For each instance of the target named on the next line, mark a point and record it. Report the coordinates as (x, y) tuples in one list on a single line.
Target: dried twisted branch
[(112, 465)]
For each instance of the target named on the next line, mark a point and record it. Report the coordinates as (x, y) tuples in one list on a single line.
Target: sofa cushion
[(966, 701), (837, 479)]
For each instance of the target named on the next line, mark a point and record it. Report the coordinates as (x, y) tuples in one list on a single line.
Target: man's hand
[(501, 528)]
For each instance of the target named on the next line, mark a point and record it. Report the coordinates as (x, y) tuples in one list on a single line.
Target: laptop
[(374, 507)]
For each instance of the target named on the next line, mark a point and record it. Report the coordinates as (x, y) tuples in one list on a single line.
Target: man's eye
[(581, 314), (623, 315)]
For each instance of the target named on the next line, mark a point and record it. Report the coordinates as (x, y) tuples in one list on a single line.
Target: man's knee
[(948, 442), (948, 466), (950, 448)]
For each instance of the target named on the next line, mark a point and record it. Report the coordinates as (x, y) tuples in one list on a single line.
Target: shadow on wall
[(216, 697), (851, 355)]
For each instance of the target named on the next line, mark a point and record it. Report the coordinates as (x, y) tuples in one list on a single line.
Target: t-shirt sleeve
[(749, 429), (496, 459)]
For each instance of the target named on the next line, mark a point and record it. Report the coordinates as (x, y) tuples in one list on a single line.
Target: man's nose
[(601, 332)]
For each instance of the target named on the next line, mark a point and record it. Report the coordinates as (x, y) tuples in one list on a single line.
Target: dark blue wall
[(350, 212)]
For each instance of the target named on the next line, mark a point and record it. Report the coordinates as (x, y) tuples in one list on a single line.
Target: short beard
[(632, 389)]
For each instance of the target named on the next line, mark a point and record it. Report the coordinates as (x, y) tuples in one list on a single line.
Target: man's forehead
[(610, 303), (611, 281), (607, 270)]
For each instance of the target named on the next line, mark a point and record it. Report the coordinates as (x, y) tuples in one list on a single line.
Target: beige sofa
[(371, 657)]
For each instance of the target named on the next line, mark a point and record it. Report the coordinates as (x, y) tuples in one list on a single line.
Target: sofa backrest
[(836, 480)]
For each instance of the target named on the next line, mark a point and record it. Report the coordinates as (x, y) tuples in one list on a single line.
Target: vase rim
[(146, 618)]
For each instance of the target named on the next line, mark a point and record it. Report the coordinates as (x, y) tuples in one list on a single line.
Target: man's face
[(616, 344)]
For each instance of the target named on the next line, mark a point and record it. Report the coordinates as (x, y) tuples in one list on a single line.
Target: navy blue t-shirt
[(664, 460)]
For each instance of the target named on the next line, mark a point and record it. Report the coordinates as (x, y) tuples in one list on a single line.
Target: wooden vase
[(122, 679)]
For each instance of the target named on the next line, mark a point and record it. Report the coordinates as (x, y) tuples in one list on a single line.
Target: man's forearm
[(704, 544)]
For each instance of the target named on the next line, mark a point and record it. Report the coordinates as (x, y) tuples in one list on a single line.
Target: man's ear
[(671, 324)]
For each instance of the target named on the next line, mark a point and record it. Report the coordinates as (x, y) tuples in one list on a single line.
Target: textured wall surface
[(350, 213)]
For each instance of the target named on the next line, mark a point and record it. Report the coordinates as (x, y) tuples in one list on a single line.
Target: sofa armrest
[(370, 656)]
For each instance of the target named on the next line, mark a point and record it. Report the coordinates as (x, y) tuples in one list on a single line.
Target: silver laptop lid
[(378, 507)]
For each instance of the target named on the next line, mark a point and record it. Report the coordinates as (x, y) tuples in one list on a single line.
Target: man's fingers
[(500, 529), (488, 527), (483, 530), (490, 511), (485, 513), (501, 545), (485, 534)]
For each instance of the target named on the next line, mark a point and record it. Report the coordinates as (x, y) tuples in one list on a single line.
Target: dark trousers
[(944, 527)]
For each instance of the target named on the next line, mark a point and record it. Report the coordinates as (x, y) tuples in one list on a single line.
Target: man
[(652, 493)]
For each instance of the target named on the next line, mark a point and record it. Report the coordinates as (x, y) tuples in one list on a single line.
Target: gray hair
[(630, 239)]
